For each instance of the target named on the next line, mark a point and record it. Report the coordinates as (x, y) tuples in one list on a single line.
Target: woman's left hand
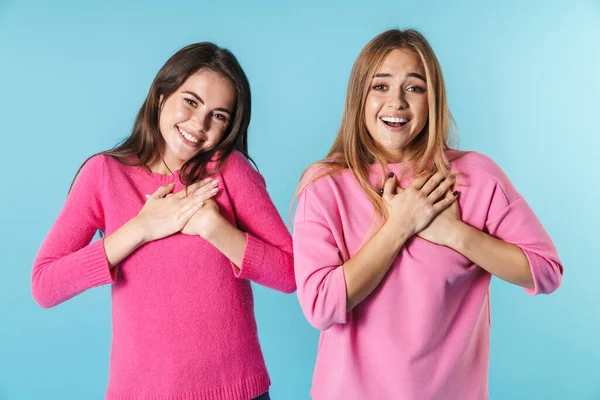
[(443, 228), (205, 221)]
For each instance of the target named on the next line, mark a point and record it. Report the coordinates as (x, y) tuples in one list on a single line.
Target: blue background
[(523, 82)]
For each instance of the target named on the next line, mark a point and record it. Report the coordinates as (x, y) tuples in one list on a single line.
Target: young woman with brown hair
[(187, 224)]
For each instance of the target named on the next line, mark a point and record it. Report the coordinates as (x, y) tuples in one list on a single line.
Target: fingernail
[(391, 175), (215, 190), (455, 193), (147, 196), (215, 182)]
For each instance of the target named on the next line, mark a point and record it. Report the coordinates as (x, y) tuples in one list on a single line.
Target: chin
[(395, 146)]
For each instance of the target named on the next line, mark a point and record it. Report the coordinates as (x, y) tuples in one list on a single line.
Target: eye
[(191, 102), (415, 89), (220, 117), (379, 86)]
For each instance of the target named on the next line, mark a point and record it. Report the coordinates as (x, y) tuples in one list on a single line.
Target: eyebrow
[(202, 101), (411, 74)]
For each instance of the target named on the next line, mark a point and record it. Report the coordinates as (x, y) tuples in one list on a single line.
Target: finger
[(162, 191), (420, 180), (167, 196), (442, 189), (203, 195), (446, 202), (189, 205), (190, 209), (213, 184), (193, 187), (389, 187), (432, 183)]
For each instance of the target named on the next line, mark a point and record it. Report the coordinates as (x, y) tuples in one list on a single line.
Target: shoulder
[(103, 161), (90, 176), (323, 177), (92, 169), (95, 163), (481, 169), (324, 186), (237, 167)]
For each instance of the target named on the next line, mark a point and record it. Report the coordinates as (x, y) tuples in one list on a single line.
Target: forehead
[(401, 61), (211, 86)]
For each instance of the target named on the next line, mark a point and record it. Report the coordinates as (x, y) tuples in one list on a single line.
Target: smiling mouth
[(395, 122), (189, 138)]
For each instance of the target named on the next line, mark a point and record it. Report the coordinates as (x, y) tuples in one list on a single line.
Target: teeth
[(188, 136), (394, 120)]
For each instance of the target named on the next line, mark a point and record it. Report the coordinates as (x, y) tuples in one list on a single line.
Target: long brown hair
[(355, 149), (143, 146)]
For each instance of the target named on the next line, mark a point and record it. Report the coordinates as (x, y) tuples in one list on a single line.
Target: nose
[(398, 99), (201, 121)]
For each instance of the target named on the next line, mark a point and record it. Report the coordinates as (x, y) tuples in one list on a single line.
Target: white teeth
[(394, 120), (188, 136)]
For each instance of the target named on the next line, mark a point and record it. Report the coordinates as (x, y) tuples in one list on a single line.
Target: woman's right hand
[(413, 208), (165, 213)]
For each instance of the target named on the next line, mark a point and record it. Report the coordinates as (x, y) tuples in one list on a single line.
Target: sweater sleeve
[(268, 258), (67, 263), (512, 220), (318, 264)]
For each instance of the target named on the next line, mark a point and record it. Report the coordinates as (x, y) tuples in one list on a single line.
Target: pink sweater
[(424, 332), (183, 320)]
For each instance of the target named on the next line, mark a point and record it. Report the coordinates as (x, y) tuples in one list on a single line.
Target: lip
[(395, 115), (394, 128), (187, 142)]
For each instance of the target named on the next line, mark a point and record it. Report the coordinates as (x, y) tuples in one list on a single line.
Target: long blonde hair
[(355, 149)]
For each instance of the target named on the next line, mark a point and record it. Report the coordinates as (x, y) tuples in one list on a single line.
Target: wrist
[(458, 239), (396, 234), (213, 227), (138, 230)]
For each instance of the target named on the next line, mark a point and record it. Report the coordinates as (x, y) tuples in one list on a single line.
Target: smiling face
[(195, 116), (396, 107)]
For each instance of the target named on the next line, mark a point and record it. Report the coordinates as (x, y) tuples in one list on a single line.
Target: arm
[(228, 239), (516, 225), (327, 287), (504, 260), (67, 264), (260, 247), (514, 245), (366, 269), (511, 221), (162, 215)]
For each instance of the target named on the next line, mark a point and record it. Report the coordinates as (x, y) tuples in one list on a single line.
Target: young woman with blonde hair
[(396, 237)]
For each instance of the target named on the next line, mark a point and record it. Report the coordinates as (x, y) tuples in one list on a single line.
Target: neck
[(395, 157), (163, 167)]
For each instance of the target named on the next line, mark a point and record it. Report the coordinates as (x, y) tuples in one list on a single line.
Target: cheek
[(217, 130), (180, 113), (170, 114), (423, 108), (372, 108)]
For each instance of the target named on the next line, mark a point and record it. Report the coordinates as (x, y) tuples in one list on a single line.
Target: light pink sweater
[(183, 320), (424, 332)]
